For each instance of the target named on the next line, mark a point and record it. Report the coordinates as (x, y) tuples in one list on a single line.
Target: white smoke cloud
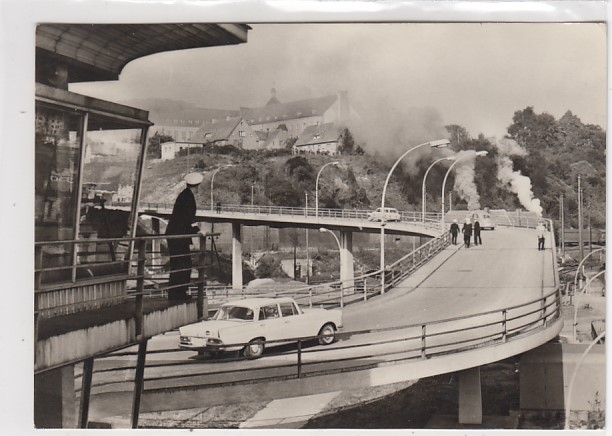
[(509, 147), (514, 180), (464, 180)]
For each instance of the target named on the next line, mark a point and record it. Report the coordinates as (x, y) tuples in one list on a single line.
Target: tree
[(155, 142), (457, 135), (348, 142), (534, 131)]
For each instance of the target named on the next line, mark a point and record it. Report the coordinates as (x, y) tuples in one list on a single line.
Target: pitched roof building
[(321, 139), (297, 115)]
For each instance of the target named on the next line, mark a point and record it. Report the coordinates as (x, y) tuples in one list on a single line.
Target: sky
[(471, 74)]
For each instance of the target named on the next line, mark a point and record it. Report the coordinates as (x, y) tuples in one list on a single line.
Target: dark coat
[(454, 229), (183, 215), (467, 229), (476, 228)]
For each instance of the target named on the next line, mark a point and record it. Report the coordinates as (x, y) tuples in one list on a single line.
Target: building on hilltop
[(181, 125), (297, 115), (321, 139), (229, 131)]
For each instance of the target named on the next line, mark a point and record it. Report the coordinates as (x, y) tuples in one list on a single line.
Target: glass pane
[(57, 148), (109, 176)]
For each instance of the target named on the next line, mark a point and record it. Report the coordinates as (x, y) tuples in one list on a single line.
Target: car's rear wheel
[(254, 349), (327, 333)]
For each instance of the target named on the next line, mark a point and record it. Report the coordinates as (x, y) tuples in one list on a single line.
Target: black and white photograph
[(310, 222)]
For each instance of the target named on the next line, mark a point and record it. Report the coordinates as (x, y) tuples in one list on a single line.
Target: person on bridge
[(477, 239), (181, 223), (467, 232), (218, 207), (454, 231), (541, 233)]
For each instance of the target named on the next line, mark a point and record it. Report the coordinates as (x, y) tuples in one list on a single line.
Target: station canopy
[(94, 52)]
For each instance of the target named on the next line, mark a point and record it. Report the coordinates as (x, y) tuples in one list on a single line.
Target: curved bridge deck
[(467, 307)]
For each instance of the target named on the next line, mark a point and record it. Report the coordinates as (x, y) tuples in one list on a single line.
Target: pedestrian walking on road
[(181, 223), (477, 239), (467, 232), (541, 233), (454, 231)]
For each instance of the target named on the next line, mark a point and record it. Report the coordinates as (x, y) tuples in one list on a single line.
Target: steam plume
[(514, 180), (464, 181)]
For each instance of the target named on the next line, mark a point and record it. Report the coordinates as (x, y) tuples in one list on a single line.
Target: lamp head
[(482, 153), (450, 158), (335, 163), (323, 230), (439, 143)]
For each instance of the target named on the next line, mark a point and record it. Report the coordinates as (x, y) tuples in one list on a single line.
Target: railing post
[(423, 343), (365, 290), (310, 297), (299, 358), (202, 303), (140, 271), (504, 325)]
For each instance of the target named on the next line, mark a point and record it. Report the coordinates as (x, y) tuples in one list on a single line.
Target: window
[(242, 133), (236, 312), (268, 312), (288, 309)]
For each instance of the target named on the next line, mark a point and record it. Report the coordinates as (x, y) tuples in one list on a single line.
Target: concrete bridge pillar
[(470, 397), (236, 256), (347, 274), (55, 399)]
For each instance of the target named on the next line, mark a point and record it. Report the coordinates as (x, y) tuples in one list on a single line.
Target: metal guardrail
[(432, 219), (419, 342)]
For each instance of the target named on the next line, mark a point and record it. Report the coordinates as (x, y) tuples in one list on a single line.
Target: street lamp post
[(324, 230), (435, 144), (584, 288), (212, 181), (423, 190), (578, 269), (465, 156), (317, 186)]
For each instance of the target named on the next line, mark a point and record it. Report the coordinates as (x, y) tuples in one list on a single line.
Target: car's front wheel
[(254, 349), (327, 334)]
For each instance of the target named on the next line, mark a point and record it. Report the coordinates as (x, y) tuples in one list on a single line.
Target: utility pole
[(580, 242), (307, 246), (589, 226), (562, 233)]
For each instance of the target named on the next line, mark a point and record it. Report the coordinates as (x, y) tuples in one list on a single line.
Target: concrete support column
[(236, 256), (156, 245), (470, 397), (347, 273), (55, 399)]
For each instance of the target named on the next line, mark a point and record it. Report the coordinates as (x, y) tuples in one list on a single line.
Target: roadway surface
[(506, 270)]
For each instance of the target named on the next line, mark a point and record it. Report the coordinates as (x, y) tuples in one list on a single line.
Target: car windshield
[(235, 313)]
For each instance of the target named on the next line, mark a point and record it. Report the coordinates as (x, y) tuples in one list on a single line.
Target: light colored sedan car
[(485, 220), (254, 321), (388, 214)]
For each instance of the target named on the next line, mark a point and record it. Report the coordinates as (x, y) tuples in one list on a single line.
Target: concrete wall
[(545, 374)]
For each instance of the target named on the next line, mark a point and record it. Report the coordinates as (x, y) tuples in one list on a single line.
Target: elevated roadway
[(465, 308), (345, 220)]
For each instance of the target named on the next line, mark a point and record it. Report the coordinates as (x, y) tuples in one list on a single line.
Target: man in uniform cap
[(181, 223)]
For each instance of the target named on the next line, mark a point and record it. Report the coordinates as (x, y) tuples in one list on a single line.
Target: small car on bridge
[(249, 324), (384, 214), (484, 219)]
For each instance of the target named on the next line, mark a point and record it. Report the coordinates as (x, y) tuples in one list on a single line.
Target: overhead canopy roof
[(95, 52)]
